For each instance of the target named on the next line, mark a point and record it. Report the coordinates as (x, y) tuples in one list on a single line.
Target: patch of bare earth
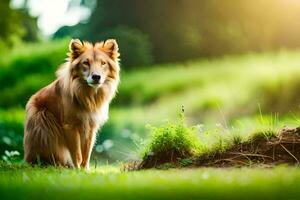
[(283, 149)]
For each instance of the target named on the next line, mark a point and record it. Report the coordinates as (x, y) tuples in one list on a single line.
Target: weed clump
[(170, 143)]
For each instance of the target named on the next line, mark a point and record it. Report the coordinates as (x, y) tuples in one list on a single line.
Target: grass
[(175, 143), (233, 99), (106, 182), (214, 91), (219, 91)]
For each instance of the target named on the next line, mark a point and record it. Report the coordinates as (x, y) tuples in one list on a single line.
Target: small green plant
[(171, 143), (185, 162), (236, 138), (262, 135), (266, 128), (11, 156)]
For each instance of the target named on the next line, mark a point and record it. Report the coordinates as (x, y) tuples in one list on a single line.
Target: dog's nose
[(96, 77)]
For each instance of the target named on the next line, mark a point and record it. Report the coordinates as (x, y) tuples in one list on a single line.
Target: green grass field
[(107, 182), (228, 93), (228, 97)]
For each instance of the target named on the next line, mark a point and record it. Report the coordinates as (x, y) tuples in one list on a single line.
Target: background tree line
[(174, 30), (16, 25)]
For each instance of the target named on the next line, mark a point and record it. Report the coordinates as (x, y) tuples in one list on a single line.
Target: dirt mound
[(283, 149), (161, 158)]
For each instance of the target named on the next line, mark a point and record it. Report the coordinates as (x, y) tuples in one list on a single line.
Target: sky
[(52, 14)]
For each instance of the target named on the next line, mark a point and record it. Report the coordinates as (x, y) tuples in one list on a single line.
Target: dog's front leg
[(73, 143), (87, 150)]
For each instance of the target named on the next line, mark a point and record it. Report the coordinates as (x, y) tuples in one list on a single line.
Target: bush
[(11, 130), (28, 68), (19, 94), (39, 58), (135, 47)]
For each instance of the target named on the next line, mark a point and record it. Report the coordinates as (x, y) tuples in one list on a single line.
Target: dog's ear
[(76, 47), (111, 47)]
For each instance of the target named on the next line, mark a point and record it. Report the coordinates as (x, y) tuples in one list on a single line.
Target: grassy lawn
[(232, 97), (220, 92), (107, 182)]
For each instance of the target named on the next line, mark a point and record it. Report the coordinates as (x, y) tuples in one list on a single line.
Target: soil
[(283, 149), (161, 158)]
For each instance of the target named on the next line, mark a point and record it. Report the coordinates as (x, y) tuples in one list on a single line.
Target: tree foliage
[(16, 25), (184, 29)]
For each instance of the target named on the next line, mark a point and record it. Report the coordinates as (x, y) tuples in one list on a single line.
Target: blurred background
[(234, 65)]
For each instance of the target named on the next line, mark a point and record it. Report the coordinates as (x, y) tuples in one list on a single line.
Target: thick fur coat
[(62, 119)]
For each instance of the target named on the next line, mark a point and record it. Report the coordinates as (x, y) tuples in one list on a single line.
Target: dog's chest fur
[(100, 116), (91, 121)]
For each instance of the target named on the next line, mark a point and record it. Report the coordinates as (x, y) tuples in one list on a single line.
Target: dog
[(62, 119)]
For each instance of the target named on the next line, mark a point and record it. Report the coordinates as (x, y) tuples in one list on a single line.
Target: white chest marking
[(101, 116)]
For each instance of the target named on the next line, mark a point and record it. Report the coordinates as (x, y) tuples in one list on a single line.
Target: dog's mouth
[(95, 84)]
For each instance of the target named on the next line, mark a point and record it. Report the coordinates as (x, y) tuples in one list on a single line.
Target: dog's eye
[(84, 69), (103, 63), (86, 63)]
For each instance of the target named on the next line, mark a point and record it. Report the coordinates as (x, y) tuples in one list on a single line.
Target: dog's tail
[(41, 136)]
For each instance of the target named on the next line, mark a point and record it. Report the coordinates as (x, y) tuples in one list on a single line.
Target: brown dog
[(63, 118)]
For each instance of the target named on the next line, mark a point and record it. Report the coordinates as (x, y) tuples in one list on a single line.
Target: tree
[(16, 25), (187, 29)]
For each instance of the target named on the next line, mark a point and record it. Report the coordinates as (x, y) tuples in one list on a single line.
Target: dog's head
[(94, 65)]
